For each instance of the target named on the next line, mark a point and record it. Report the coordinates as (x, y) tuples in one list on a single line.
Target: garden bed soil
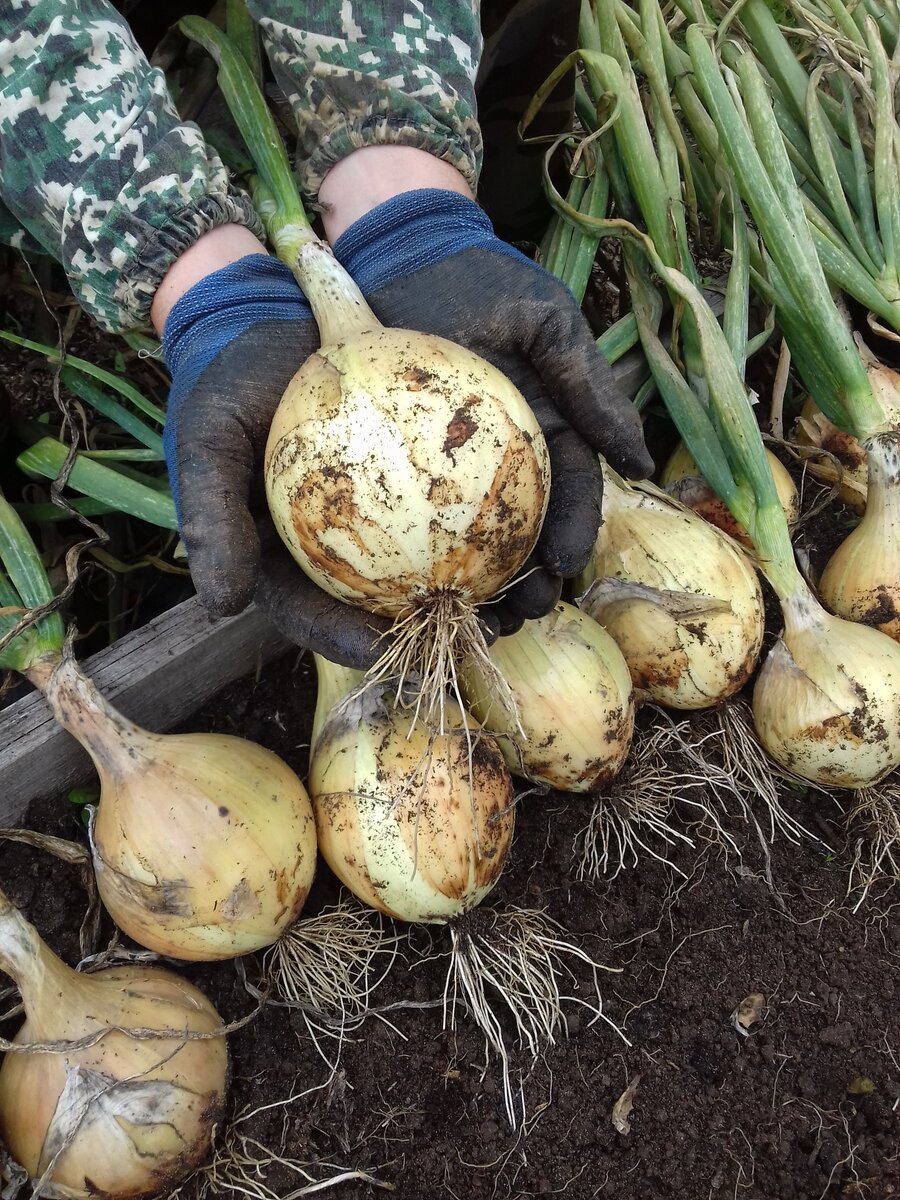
[(806, 1106)]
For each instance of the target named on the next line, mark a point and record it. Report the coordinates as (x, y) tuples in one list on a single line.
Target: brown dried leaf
[(623, 1106)]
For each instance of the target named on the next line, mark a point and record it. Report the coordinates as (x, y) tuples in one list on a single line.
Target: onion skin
[(229, 860), (813, 428), (153, 1103), (400, 465), (826, 703), (573, 696), (427, 850), (682, 480), (656, 558), (862, 579), (204, 845)]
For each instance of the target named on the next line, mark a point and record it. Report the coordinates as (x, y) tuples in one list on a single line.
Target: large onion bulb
[(401, 466), (680, 597), (574, 705), (123, 1117), (204, 845), (862, 579), (417, 824), (826, 703)]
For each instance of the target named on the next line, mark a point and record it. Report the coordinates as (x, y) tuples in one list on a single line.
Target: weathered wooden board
[(157, 676)]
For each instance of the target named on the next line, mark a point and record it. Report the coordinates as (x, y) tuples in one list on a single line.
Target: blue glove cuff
[(224, 305), (412, 231), (209, 316)]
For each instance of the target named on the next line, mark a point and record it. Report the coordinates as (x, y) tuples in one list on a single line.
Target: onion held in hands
[(406, 475)]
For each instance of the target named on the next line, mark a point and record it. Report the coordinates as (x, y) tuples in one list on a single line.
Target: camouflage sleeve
[(364, 72), (94, 161)]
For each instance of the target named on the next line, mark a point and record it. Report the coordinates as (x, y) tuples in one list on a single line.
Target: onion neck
[(772, 540), (883, 467), (45, 982), (338, 305), (83, 711), (335, 682)]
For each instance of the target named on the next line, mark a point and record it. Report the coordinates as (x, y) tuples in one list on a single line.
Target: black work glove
[(430, 260), (232, 344)]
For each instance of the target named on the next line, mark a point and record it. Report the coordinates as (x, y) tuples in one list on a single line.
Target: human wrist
[(373, 174), (217, 248)]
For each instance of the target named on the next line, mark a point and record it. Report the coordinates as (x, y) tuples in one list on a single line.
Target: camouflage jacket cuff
[(127, 304), (347, 136), (372, 72)]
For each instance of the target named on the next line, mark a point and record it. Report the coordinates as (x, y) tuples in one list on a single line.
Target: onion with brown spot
[(123, 1116), (416, 823)]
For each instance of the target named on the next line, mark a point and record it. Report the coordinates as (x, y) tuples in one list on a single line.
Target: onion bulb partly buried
[(124, 1116), (416, 823), (680, 598), (573, 696), (204, 845), (406, 475), (862, 579), (682, 480), (813, 428), (826, 703)]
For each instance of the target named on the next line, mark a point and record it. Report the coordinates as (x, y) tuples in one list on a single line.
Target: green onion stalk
[(203, 845), (358, 478), (826, 702), (681, 600), (856, 393)]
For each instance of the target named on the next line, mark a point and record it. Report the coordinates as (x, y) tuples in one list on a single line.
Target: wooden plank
[(157, 676)]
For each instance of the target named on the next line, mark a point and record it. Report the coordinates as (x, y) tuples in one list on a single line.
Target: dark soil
[(805, 1106)]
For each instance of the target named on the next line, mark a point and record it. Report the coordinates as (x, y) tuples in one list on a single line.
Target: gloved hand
[(430, 260), (232, 343)]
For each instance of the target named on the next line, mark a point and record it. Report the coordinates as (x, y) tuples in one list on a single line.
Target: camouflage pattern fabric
[(364, 72), (99, 170)]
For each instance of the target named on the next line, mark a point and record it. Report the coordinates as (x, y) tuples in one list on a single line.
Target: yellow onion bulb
[(680, 597), (851, 471), (862, 579), (574, 703), (826, 703), (400, 467), (682, 480), (416, 824), (204, 845), (124, 1117), (813, 428)]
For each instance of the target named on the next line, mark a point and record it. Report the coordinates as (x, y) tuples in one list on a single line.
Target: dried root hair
[(240, 1163), (326, 968), (754, 778), (635, 816), (520, 959), (873, 834), (427, 648)]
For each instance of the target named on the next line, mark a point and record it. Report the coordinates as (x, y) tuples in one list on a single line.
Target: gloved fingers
[(533, 593), (573, 514), (307, 615), (212, 480), (581, 383), (490, 622)]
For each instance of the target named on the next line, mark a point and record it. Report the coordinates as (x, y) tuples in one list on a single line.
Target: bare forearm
[(368, 177)]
